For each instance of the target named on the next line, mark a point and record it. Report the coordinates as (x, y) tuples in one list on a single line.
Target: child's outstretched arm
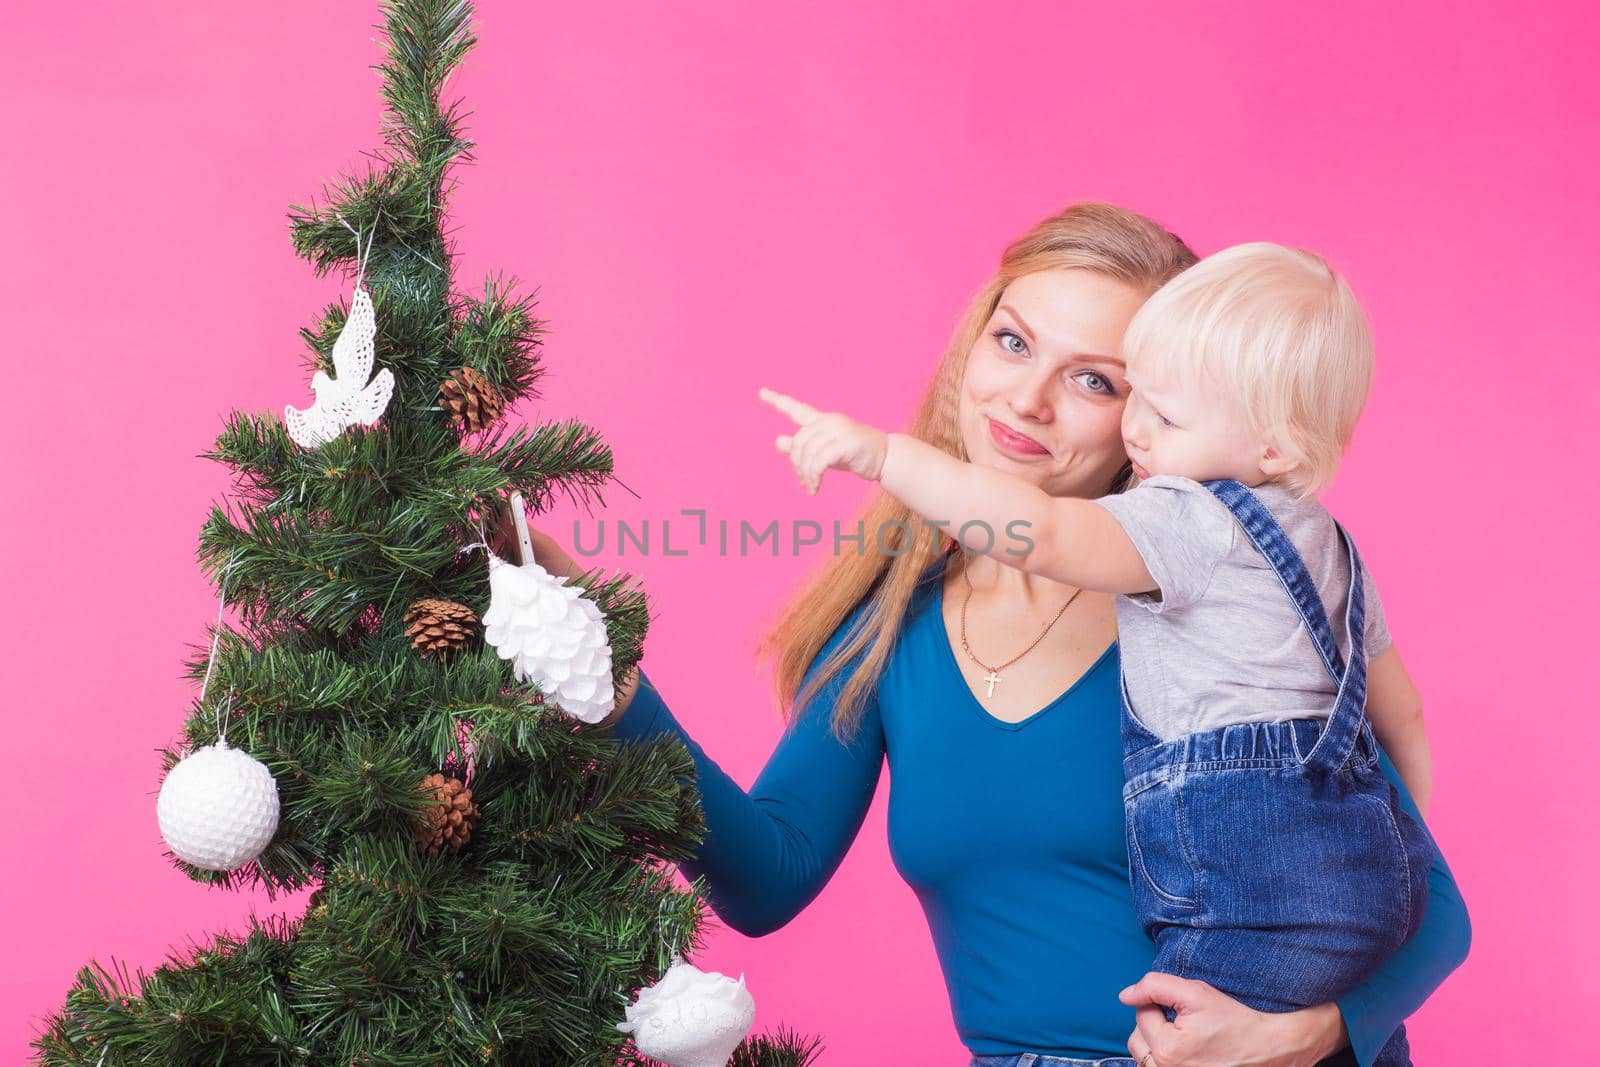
[(1001, 515), (1395, 709), (989, 511)]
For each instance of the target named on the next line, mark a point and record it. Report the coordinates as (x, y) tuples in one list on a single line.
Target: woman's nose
[(1031, 398)]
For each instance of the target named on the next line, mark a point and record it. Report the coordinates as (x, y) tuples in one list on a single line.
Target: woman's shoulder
[(924, 598)]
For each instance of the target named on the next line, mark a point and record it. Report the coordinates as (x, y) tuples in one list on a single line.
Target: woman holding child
[(967, 670)]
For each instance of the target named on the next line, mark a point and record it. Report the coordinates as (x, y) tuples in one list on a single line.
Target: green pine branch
[(427, 40), (499, 335)]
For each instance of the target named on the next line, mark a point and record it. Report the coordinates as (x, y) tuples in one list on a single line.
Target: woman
[(965, 673)]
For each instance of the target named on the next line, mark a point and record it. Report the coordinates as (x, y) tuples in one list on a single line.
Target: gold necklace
[(993, 677)]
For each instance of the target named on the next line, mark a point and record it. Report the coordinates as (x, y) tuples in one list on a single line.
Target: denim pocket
[(1158, 855), (1405, 888)]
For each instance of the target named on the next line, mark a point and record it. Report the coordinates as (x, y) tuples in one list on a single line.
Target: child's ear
[(1275, 464)]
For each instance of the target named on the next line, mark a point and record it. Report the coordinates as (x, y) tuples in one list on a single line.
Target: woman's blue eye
[(1168, 423), (1004, 335), (1098, 382)]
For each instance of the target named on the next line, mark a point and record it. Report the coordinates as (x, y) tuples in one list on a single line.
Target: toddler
[(1268, 854)]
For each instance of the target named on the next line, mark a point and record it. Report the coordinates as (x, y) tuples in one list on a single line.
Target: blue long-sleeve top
[(1010, 834)]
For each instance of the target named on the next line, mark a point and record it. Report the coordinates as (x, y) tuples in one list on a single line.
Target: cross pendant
[(991, 678)]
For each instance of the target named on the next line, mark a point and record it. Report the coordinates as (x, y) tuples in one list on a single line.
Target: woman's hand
[(827, 440), (546, 552), (1211, 1029)]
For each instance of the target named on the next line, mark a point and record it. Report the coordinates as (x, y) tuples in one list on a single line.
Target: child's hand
[(827, 440)]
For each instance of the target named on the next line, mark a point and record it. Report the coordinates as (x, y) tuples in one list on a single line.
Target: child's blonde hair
[(1278, 329)]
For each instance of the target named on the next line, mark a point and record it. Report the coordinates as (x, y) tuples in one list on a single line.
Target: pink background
[(713, 200)]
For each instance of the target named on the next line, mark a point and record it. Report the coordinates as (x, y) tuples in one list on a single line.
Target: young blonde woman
[(963, 672)]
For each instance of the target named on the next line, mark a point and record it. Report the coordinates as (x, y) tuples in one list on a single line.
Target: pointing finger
[(798, 410)]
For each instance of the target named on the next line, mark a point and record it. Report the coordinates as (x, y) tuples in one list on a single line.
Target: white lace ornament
[(218, 808), (553, 635), (349, 399), (691, 1018)]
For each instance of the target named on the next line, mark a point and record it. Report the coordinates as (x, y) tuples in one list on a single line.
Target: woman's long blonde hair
[(1089, 236)]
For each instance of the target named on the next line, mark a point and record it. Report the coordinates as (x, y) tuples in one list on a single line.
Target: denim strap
[(1345, 724)]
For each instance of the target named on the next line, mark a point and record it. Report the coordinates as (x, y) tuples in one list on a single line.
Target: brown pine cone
[(438, 626), (448, 824), (471, 399)]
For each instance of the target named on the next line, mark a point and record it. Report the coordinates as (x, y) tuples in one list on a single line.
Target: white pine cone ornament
[(691, 1018), (218, 808), (553, 635)]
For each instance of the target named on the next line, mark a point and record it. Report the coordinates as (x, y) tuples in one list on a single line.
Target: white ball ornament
[(553, 635), (218, 808), (691, 1018)]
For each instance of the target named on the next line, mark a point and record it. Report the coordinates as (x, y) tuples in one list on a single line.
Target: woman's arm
[(767, 853)]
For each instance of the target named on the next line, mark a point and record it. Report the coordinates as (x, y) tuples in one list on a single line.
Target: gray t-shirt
[(1221, 642)]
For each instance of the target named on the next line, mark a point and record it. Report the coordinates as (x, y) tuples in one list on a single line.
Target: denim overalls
[(1273, 860)]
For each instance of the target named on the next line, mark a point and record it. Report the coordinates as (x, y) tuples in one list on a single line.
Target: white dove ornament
[(350, 398)]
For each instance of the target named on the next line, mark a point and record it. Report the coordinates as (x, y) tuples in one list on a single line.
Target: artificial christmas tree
[(493, 870)]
